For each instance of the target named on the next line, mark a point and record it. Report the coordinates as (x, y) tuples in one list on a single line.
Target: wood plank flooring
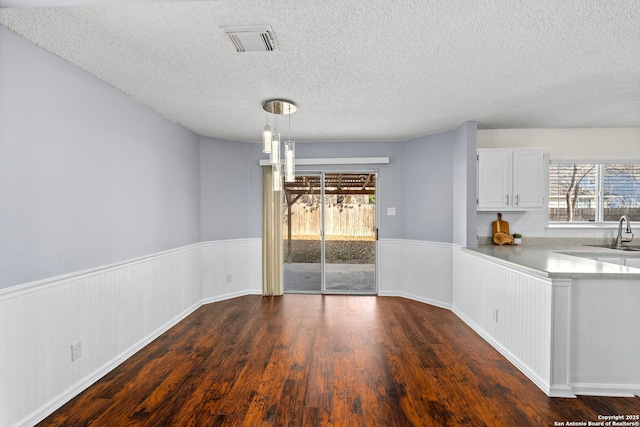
[(312, 360)]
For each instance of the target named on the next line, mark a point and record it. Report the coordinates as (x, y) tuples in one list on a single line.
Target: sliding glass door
[(329, 231), (302, 232)]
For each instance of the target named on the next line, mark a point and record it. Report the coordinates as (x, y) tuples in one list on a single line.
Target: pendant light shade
[(289, 161), (271, 143), (275, 149), (266, 139)]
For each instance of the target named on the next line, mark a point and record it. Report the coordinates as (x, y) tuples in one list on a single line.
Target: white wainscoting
[(114, 311), (512, 311), (230, 268), (417, 270), (605, 328)]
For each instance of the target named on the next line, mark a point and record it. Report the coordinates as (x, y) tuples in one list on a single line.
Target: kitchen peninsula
[(567, 320)]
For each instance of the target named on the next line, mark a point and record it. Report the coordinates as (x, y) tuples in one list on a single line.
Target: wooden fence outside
[(340, 221)]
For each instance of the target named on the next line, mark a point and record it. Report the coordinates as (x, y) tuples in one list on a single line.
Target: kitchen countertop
[(562, 262)]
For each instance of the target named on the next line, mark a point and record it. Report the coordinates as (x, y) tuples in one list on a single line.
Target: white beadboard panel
[(114, 311), (254, 266), (417, 270), (522, 329), (606, 325), (391, 267), (428, 271), (240, 258)]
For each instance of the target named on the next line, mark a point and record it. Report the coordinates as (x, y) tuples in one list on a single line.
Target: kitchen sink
[(619, 248)]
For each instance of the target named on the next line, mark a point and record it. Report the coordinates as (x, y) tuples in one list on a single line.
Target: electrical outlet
[(229, 278), (495, 315), (76, 350)]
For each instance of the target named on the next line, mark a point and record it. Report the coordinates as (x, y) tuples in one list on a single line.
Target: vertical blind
[(591, 192)]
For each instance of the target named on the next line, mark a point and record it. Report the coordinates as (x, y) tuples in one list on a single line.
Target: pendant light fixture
[(289, 161), (267, 136), (289, 155), (275, 149), (271, 142)]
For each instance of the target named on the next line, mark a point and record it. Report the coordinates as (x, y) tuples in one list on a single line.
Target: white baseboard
[(612, 390), (232, 295), (418, 298), (561, 391)]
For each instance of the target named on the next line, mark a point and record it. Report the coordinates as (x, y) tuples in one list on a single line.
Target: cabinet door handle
[(506, 199), (517, 200)]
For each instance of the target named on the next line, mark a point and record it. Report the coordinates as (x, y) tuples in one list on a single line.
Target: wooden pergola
[(334, 183)]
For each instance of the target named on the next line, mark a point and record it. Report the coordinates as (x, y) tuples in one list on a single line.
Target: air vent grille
[(251, 39)]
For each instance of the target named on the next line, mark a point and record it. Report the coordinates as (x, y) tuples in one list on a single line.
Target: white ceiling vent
[(251, 39)]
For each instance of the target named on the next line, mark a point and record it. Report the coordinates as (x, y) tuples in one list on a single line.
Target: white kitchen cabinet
[(511, 179), (494, 179), (529, 178)]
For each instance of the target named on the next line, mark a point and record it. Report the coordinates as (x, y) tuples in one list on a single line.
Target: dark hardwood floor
[(311, 360)]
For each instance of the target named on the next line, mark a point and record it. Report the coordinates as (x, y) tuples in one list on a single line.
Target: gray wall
[(88, 176), (427, 188), (225, 189), (464, 185)]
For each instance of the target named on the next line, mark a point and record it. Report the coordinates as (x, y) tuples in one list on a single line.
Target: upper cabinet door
[(528, 179), (494, 179), (511, 179)]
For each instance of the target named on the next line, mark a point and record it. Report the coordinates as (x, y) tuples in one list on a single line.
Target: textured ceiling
[(358, 69)]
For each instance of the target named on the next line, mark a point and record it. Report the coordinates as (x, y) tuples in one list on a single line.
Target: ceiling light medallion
[(271, 142)]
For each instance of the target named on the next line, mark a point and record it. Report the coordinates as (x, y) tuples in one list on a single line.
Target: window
[(593, 192)]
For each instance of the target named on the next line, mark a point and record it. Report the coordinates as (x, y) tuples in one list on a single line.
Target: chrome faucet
[(620, 239)]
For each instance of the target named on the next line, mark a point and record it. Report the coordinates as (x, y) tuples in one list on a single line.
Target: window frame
[(599, 193)]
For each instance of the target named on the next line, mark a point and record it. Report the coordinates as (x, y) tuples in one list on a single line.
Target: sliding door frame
[(323, 283)]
